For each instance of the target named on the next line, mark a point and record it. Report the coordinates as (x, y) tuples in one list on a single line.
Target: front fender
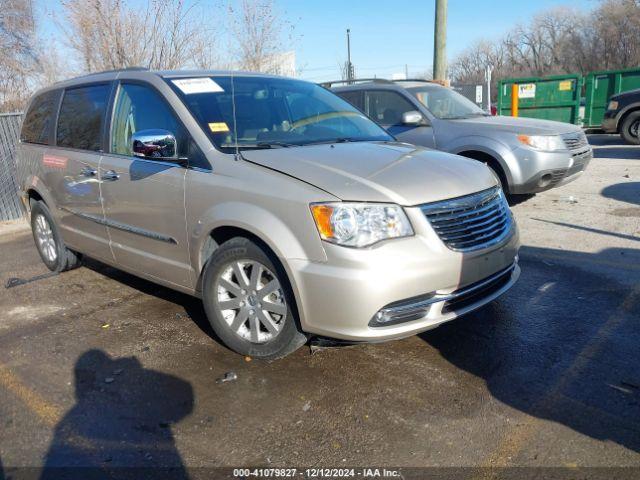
[(496, 149), (262, 223)]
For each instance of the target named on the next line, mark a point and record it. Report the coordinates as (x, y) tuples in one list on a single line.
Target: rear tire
[(54, 253), (249, 302), (629, 129)]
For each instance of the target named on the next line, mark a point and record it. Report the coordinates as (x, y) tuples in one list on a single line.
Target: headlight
[(548, 143), (360, 224)]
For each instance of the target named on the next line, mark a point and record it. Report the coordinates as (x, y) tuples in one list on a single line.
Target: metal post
[(349, 66), (440, 42), (514, 100), (488, 79)]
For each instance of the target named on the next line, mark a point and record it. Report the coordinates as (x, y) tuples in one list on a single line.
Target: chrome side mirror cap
[(413, 118), (154, 144)]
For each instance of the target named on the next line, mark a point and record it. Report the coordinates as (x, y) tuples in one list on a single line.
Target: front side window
[(263, 112), (138, 108), (39, 119), (446, 104), (386, 107), (82, 116)]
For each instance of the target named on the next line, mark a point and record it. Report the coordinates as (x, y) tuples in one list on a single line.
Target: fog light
[(404, 311), (545, 180)]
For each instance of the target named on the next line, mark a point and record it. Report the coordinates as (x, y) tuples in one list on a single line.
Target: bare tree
[(18, 52), (259, 32), (161, 34), (560, 40)]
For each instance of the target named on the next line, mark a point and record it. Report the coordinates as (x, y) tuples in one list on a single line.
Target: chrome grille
[(575, 141), (471, 222)]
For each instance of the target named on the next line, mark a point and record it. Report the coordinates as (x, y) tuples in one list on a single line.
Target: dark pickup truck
[(623, 116)]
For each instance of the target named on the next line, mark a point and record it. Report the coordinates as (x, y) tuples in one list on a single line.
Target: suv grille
[(575, 141), (471, 222)]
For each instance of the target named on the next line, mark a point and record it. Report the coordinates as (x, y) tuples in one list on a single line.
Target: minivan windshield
[(446, 104), (270, 112)]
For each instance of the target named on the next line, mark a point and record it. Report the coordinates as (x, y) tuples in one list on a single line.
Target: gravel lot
[(100, 368)]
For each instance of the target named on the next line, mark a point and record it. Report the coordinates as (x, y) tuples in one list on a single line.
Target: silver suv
[(279, 204), (527, 154)]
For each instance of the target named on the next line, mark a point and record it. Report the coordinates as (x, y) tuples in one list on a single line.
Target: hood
[(379, 172), (627, 93), (529, 126)]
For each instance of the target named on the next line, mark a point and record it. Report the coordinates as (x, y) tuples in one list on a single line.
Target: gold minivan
[(284, 208)]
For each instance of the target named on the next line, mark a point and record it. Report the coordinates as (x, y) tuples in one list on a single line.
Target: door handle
[(88, 172), (110, 175)]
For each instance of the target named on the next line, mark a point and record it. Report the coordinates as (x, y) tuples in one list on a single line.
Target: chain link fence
[(9, 201)]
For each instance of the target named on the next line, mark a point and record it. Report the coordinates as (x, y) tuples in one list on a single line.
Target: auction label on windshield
[(197, 85)]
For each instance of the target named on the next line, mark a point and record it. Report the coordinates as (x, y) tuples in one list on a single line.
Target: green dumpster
[(550, 98), (599, 88)]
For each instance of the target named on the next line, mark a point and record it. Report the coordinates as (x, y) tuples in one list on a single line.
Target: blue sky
[(387, 34)]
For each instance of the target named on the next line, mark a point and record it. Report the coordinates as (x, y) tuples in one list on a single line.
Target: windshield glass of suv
[(272, 112), (444, 103)]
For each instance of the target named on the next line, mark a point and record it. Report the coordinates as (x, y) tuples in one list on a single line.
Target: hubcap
[(251, 301), (44, 238)]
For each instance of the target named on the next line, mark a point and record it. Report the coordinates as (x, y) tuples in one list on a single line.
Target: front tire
[(629, 129), (54, 253), (249, 302)]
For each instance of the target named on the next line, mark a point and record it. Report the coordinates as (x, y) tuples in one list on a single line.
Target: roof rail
[(372, 80), (355, 80)]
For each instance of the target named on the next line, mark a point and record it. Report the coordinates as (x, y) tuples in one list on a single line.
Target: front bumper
[(545, 170), (609, 123), (340, 298)]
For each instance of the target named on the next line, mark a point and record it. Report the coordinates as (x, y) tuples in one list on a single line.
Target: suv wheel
[(248, 301), (629, 130), (54, 253)]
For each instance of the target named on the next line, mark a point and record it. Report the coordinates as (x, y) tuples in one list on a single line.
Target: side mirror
[(154, 144), (413, 118)]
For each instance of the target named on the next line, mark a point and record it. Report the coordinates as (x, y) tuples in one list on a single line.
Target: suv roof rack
[(372, 80)]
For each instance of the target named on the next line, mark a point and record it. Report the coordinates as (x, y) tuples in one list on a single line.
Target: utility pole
[(440, 42), (349, 64)]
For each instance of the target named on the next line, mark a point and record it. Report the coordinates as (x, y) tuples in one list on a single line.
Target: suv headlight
[(613, 105), (547, 143), (360, 224)]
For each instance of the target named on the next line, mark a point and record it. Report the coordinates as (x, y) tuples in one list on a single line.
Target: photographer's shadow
[(122, 418)]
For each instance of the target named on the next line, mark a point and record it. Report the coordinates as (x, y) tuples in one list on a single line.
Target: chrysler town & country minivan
[(284, 208)]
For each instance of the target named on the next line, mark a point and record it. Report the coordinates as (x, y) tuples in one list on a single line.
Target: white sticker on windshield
[(197, 85)]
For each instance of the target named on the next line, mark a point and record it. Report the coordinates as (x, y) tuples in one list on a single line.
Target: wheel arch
[(223, 233), (490, 160)]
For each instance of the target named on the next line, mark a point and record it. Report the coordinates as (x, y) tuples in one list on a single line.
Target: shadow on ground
[(624, 192), (612, 146), (562, 345), (122, 418)]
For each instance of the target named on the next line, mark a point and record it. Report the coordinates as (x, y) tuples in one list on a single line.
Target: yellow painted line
[(49, 414), (514, 440)]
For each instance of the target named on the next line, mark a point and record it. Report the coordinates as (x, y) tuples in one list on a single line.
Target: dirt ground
[(99, 368)]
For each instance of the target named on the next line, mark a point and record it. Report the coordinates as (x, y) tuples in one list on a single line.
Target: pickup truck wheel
[(249, 302), (54, 253), (629, 128)]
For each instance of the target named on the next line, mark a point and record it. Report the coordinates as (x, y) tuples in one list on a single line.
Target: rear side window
[(82, 117), (38, 121), (353, 97)]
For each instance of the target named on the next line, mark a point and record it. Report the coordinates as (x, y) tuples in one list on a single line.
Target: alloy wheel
[(44, 237), (251, 300)]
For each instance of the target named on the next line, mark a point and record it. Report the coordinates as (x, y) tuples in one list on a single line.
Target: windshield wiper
[(275, 143), (333, 140)]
